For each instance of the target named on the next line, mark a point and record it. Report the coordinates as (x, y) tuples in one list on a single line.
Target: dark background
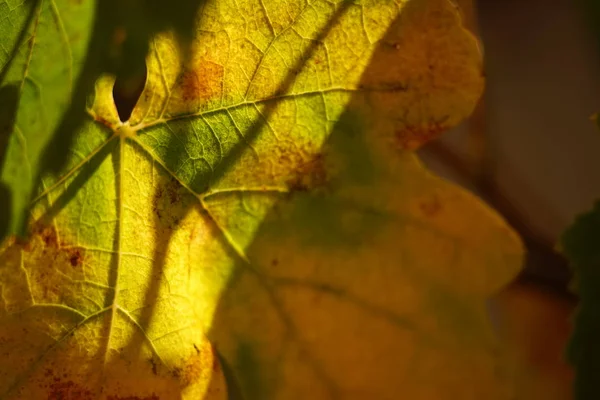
[(532, 152)]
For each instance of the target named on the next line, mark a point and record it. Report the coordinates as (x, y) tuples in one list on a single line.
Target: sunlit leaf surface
[(260, 229)]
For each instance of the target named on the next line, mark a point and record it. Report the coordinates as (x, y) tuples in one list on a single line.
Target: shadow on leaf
[(117, 44), (357, 283), (172, 203), (9, 99)]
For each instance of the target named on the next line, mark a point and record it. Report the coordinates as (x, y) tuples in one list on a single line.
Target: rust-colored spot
[(201, 83), (173, 196), (52, 245), (169, 203), (48, 257), (431, 207), (157, 207), (413, 137), (154, 366), (46, 233), (176, 372), (102, 121), (196, 366), (76, 258), (215, 364), (157, 201), (310, 175), (61, 390)]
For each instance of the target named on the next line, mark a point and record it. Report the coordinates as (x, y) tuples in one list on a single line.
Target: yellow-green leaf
[(52, 52), (259, 227)]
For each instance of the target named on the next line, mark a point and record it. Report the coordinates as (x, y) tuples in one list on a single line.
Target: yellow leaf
[(261, 204)]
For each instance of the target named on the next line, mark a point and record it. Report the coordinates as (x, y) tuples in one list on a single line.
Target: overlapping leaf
[(262, 204), (53, 52), (43, 45)]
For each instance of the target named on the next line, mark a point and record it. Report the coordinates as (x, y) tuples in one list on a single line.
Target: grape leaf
[(260, 228), (579, 245)]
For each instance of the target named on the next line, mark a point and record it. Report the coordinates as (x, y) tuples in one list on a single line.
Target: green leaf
[(263, 204), (44, 43), (54, 50), (580, 245)]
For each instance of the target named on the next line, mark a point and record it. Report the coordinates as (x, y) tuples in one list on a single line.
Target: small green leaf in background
[(581, 244)]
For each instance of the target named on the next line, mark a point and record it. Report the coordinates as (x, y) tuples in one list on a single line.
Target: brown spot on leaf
[(431, 207), (157, 207), (215, 364), (103, 121), (176, 372), (169, 202), (151, 397), (310, 175), (412, 137), (52, 245), (196, 367), (154, 366), (49, 259), (46, 233), (61, 390), (76, 258), (201, 83), (173, 196)]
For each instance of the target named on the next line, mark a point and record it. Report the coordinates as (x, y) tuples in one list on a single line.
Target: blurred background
[(533, 153)]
